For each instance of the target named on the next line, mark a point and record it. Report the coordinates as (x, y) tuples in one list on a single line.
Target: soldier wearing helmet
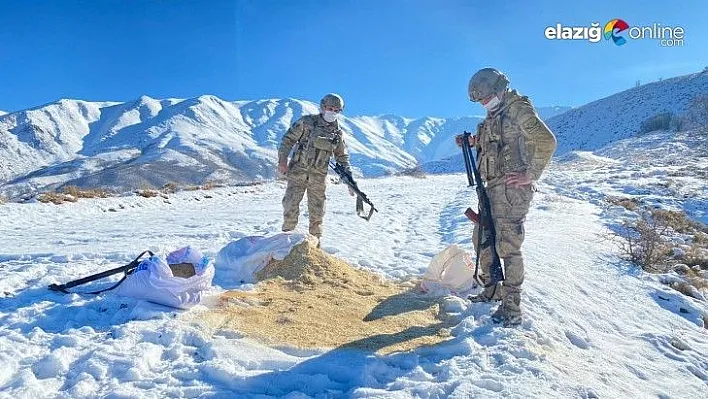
[(316, 139), (514, 146)]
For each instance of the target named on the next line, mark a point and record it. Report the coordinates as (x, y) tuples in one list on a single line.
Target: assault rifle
[(127, 270), (347, 178), (487, 237)]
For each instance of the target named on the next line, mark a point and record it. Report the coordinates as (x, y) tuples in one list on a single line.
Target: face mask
[(329, 116), (492, 104)]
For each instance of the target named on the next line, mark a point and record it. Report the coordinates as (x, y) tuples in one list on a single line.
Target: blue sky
[(410, 58)]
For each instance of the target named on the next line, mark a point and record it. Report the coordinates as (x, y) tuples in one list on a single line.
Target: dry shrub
[(677, 220), (686, 288), (626, 202), (416, 171), (3, 199), (700, 283), (71, 194), (148, 193), (697, 113), (169, 188), (643, 243), (701, 238), (84, 193), (661, 121), (71, 190), (56, 198), (311, 299), (696, 255)]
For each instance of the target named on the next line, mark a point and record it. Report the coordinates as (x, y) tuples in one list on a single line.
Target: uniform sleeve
[(289, 139), (341, 155), (541, 139)]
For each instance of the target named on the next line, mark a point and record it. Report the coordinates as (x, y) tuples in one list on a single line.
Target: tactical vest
[(503, 146), (317, 144)]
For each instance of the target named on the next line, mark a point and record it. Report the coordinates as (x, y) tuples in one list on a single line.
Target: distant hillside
[(619, 116)]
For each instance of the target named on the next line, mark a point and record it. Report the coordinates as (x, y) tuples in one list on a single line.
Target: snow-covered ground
[(664, 169), (594, 326)]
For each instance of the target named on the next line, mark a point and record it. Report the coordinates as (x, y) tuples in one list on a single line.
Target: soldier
[(316, 138), (514, 146)]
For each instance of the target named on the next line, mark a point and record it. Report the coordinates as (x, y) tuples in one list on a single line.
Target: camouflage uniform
[(316, 141), (511, 139)]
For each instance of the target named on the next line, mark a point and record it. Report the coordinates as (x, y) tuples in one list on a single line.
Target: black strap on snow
[(127, 270)]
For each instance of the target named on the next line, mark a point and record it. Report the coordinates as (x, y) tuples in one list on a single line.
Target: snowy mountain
[(549, 112), (619, 116), (2, 112), (150, 142)]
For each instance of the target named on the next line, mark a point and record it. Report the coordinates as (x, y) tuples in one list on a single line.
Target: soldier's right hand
[(472, 140), (283, 168)]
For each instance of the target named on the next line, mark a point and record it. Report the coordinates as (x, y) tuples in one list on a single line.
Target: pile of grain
[(311, 299)]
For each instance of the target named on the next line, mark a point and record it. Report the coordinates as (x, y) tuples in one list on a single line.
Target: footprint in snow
[(577, 340)]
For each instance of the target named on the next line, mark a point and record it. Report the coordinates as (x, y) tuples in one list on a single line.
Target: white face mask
[(329, 116), (492, 104)]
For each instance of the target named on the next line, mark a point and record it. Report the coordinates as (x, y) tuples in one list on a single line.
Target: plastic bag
[(153, 281), (451, 269), (188, 255), (239, 261)]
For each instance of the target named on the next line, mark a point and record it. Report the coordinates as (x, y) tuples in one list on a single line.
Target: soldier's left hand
[(517, 180), (351, 192), (472, 140)]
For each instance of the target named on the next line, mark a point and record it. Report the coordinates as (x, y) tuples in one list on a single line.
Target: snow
[(665, 169), (594, 326)]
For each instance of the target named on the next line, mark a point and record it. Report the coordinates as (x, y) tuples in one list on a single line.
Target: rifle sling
[(127, 270), (360, 209)]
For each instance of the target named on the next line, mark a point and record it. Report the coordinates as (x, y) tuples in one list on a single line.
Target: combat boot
[(490, 294), (509, 312), (508, 320)]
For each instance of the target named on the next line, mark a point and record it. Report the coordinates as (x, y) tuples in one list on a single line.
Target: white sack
[(239, 261), (153, 280), (451, 269)]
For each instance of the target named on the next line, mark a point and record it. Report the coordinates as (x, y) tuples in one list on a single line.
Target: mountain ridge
[(150, 142)]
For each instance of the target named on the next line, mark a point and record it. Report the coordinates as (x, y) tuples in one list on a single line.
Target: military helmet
[(332, 99), (485, 82)]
